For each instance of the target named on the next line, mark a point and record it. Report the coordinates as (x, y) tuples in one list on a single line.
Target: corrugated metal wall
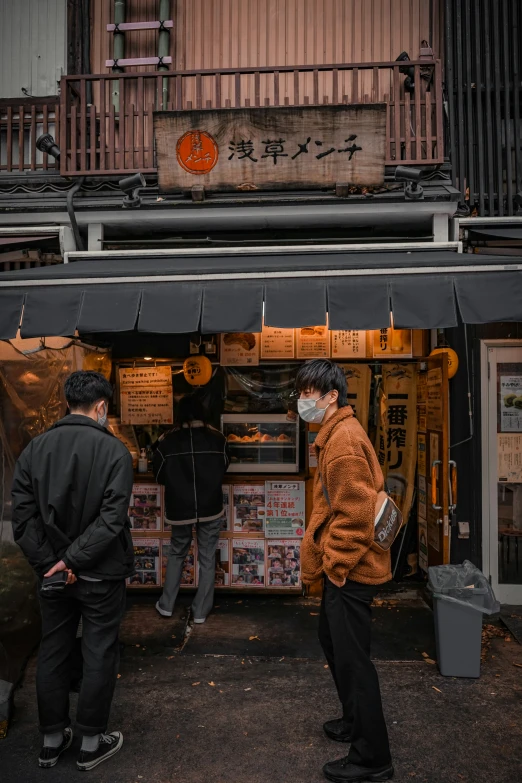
[(249, 33), (33, 46), (483, 77)]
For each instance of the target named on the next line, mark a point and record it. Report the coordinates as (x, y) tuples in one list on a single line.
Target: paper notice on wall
[(511, 403), (509, 451), (434, 401), (422, 497), (285, 509), (249, 508), (146, 395), (313, 342), (358, 382), (277, 343), (240, 349), (392, 343), (421, 454), (348, 344)]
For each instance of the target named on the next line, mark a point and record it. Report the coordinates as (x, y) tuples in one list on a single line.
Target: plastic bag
[(463, 584)]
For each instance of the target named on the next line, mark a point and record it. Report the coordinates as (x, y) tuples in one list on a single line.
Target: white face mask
[(102, 419), (309, 411)]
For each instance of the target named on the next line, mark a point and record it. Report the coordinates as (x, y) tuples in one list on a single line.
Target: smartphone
[(54, 583)]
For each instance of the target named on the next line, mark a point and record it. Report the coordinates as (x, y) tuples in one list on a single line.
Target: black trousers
[(102, 606), (345, 636)]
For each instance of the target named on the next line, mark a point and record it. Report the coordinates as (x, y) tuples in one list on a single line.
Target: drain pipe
[(70, 211), (163, 50)]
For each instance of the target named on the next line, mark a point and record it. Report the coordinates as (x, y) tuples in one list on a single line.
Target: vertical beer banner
[(397, 435), (358, 380)]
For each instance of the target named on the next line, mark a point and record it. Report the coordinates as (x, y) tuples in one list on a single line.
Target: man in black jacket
[(191, 461), (71, 493)]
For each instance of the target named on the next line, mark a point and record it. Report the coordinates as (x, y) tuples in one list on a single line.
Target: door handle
[(453, 486), (435, 484)]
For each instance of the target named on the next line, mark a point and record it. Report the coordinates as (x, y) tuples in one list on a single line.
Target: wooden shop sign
[(271, 148)]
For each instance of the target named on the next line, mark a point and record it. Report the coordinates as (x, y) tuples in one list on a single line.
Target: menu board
[(239, 349), (277, 343), (284, 563), (313, 342), (146, 563), (146, 395), (249, 508), (248, 563), (511, 403), (146, 510), (348, 344), (392, 343), (285, 509), (509, 450)]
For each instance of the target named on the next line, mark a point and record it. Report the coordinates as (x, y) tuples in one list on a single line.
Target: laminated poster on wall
[(284, 563), (227, 489), (146, 395), (422, 497), (249, 508), (277, 343), (389, 343), (423, 544), (146, 563), (511, 403), (313, 342), (239, 349), (421, 454), (223, 563), (146, 508), (248, 562), (188, 574), (285, 509)]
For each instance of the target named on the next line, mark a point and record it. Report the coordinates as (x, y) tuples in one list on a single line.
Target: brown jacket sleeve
[(351, 487)]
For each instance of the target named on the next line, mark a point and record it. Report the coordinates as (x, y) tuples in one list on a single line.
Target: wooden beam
[(124, 26), (138, 61)]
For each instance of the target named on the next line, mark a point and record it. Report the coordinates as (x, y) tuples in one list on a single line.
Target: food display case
[(262, 443)]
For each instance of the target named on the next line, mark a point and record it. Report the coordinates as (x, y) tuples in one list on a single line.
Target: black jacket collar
[(78, 418)]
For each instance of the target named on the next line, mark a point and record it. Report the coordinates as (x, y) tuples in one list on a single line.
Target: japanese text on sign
[(146, 395), (285, 509)]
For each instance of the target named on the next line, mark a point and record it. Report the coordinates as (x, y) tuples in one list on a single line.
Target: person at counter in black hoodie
[(191, 461), (71, 493)]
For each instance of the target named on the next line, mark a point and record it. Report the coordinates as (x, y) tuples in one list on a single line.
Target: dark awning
[(176, 292), (494, 233)]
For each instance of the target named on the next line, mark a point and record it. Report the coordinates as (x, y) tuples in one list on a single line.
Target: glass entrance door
[(502, 463)]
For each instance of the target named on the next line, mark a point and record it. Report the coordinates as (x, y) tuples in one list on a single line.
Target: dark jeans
[(101, 605), (344, 633)]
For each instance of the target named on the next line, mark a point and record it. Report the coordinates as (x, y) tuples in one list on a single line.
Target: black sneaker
[(109, 745), (343, 771), (338, 730), (49, 756)]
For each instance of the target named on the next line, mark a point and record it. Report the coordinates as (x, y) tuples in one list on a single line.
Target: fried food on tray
[(246, 340)]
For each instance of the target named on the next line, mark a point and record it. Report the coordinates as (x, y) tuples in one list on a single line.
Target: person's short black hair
[(190, 408), (84, 388), (322, 375)]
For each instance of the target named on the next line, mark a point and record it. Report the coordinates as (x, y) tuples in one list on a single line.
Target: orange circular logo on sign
[(197, 152)]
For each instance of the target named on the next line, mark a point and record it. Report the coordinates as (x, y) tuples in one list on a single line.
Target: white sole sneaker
[(46, 763), (85, 766), (161, 611), (200, 621)]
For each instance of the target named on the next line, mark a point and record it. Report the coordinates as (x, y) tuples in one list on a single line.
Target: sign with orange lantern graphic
[(197, 152), (270, 147)]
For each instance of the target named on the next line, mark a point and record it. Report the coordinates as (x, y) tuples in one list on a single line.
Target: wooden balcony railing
[(22, 120), (105, 122)]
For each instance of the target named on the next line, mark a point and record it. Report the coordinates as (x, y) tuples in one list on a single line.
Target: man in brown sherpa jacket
[(338, 547)]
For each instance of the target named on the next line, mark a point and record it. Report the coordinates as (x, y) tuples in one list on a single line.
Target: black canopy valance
[(229, 291)]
